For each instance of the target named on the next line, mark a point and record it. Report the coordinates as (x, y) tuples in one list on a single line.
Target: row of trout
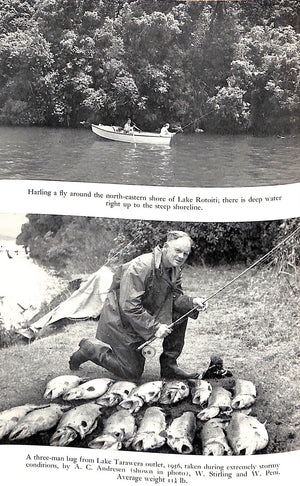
[(226, 426)]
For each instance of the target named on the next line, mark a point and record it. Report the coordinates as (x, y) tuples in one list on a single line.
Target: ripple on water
[(196, 160)]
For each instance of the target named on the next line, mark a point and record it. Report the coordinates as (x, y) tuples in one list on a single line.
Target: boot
[(172, 348), (176, 373), (108, 361), (76, 359), (89, 350), (101, 354)]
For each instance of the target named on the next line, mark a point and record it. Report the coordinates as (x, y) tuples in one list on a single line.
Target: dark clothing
[(144, 294)]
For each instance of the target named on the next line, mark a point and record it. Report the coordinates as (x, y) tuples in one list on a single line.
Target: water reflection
[(197, 160)]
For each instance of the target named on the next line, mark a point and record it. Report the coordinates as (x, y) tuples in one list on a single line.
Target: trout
[(119, 430), (218, 402), (89, 390), (181, 433), (213, 439), (60, 385), (244, 394), (173, 392), (9, 418), (200, 392), (118, 391), (79, 421), (151, 433), (147, 393), (246, 434), (37, 421)]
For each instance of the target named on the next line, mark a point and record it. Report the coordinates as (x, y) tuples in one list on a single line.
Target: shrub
[(86, 243)]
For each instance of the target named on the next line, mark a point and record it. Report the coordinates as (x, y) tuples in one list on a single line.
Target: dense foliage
[(88, 242), (223, 66)]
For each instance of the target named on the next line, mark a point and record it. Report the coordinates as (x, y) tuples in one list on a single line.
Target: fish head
[(50, 394), (73, 394), (95, 388), (201, 392), (148, 441), (240, 435), (20, 432), (89, 390), (63, 437), (55, 392), (132, 404), (150, 392), (246, 434), (88, 422), (108, 401), (123, 388), (214, 449), (60, 385), (244, 446), (6, 426), (243, 401), (208, 413), (106, 442), (180, 445), (174, 391)]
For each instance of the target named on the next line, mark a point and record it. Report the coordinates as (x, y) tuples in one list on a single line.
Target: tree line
[(226, 66), (86, 243)]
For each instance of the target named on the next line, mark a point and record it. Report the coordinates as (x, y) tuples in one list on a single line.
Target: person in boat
[(164, 132), (129, 126), (145, 297)]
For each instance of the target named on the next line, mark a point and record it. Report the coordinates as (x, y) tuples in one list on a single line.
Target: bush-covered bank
[(226, 67), (82, 244)]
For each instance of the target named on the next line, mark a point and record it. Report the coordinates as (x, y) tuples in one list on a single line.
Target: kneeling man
[(145, 297)]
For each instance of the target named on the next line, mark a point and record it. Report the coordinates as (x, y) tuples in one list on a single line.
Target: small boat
[(117, 134)]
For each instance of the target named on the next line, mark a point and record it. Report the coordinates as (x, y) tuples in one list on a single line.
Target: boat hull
[(117, 135)]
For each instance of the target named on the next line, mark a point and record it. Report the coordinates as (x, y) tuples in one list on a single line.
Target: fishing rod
[(118, 252), (196, 119), (149, 351)]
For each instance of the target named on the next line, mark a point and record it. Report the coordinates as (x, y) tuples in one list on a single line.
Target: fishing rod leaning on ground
[(148, 351)]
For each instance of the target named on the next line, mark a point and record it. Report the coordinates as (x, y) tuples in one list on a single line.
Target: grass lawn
[(253, 325)]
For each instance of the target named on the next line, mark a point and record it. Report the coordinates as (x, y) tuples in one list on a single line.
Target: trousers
[(126, 361)]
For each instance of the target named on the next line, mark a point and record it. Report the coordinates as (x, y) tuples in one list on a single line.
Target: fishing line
[(149, 352), (196, 119), (112, 257)]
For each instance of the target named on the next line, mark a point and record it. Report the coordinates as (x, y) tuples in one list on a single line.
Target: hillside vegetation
[(221, 66), (74, 244)]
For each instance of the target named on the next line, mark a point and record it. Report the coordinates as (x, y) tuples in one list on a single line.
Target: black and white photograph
[(179, 338), (206, 94), (149, 241)]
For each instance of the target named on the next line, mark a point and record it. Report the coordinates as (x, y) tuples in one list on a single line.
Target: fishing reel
[(148, 351)]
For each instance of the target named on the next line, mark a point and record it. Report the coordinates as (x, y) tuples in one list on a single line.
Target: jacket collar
[(157, 252)]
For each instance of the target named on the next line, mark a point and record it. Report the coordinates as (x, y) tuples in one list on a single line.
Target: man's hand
[(162, 331), (198, 301)]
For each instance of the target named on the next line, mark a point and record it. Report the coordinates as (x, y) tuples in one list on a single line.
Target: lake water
[(24, 285), (193, 160)]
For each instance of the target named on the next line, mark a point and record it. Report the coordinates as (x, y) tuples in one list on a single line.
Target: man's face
[(175, 252)]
